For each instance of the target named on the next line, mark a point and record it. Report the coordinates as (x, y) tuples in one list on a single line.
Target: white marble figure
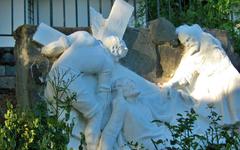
[(86, 55), (161, 105), (85, 58), (206, 73), (131, 118)]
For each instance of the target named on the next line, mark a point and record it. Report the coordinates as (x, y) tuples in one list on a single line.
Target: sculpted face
[(128, 88), (190, 37), (187, 34), (116, 46), (186, 39)]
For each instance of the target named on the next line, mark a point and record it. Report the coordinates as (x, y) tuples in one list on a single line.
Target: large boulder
[(141, 57), (162, 30), (151, 53)]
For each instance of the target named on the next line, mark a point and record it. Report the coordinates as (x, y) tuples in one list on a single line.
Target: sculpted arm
[(187, 70), (182, 81), (56, 48), (114, 125)]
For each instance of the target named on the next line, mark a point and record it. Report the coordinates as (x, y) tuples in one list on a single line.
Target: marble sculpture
[(207, 74), (122, 104)]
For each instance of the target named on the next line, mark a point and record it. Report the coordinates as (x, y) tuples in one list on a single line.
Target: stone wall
[(7, 77), (7, 69)]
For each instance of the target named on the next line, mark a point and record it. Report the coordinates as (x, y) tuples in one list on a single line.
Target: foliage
[(206, 13), (26, 129), (37, 129), (215, 137), (221, 137), (182, 133)]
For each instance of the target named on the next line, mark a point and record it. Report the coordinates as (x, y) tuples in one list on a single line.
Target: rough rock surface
[(162, 30), (141, 57)]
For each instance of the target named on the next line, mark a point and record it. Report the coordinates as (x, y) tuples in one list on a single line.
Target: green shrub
[(28, 129), (216, 136), (36, 128)]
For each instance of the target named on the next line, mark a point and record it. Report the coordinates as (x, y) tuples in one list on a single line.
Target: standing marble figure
[(87, 55), (207, 74)]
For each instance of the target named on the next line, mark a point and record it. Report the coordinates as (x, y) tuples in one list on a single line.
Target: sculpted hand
[(160, 85), (176, 84), (166, 89), (166, 92)]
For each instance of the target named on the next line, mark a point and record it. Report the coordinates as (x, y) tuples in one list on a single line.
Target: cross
[(115, 24)]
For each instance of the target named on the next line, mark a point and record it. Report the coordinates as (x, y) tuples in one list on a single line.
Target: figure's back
[(85, 58)]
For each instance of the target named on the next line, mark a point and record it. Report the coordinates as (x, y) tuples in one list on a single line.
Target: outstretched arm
[(183, 81), (56, 48), (186, 73)]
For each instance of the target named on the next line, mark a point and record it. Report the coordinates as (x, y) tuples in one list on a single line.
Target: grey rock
[(162, 30), (141, 57), (170, 59)]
